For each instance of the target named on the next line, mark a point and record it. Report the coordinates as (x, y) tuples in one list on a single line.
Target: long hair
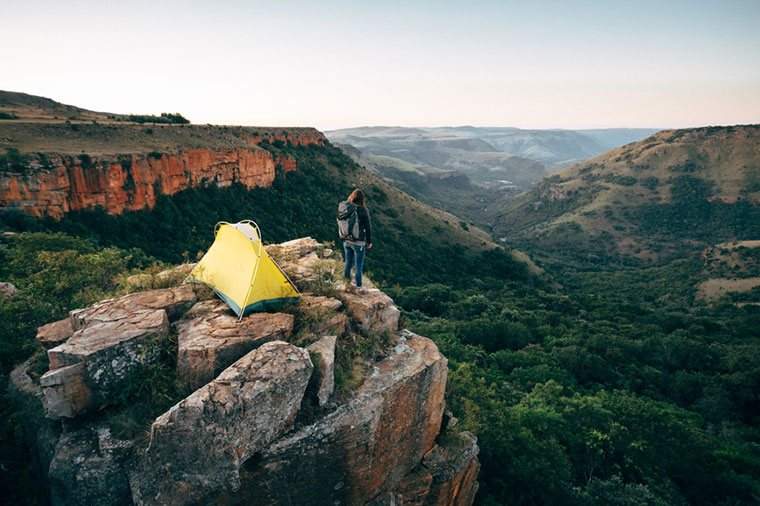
[(357, 197)]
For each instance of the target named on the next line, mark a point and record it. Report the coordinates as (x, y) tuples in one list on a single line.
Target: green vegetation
[(165, 118), (621, 180), (8, 115), (152, 389), (614, 388), (54, 274), (12, 161), (617, 384), (692, 215)]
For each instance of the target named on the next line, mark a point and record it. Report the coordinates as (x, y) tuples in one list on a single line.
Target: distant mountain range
[(467, 170), (438, 147)]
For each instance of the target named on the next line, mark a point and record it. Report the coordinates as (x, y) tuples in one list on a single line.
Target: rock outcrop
[(447, 476), (198, 446), (323, 379), (57, 183), (210, 339), (372, 310), (55, 333), (364, 447), (109, 342), (272, 420), (7, 289)]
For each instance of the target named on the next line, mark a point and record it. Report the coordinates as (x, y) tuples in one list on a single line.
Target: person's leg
[(360, 250), (348, 254)]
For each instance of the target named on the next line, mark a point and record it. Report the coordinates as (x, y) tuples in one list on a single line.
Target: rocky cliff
[(127, 168), (325, 402)]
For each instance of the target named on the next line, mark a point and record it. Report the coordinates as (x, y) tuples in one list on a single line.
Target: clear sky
[(332, 63)]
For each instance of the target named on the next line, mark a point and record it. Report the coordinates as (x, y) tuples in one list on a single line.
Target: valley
[(602, 335), (471, 170)]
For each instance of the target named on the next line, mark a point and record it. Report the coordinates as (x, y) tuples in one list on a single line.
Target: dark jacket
[(365, 224)]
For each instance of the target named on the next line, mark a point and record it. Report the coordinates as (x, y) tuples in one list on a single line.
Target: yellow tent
[(241, 272)]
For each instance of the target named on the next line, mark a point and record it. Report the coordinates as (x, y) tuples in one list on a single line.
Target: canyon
[(51, 180)]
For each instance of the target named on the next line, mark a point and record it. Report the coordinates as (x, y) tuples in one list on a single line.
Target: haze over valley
[(470, 170)]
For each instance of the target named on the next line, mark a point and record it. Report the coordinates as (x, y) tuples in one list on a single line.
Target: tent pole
[(255, 270)]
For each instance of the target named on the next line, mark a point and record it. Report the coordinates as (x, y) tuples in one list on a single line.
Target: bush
[(165, 118)]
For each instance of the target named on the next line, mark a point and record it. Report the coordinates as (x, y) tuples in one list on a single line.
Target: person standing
[(355, 229)]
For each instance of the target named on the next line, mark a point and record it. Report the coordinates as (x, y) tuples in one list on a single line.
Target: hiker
[(355, 230)]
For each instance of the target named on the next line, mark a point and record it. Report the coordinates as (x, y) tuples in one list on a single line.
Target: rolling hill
[(469, 170), (445, 147), (673, 190), (32, 108)]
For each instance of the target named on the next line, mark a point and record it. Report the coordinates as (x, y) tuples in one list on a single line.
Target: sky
[(335, 64)]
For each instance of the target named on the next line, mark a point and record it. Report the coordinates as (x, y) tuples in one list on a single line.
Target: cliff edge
[(325, 402), (53, 169)]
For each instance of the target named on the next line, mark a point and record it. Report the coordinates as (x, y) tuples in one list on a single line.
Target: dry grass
[(713, 289)]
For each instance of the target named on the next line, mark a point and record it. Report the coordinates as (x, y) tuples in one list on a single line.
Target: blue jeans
[(354, 255)]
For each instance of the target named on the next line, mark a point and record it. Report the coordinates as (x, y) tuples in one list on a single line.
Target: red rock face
[(297, 137), (133, 182)]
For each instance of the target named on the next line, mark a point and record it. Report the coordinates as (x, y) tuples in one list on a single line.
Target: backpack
[(348, 222)]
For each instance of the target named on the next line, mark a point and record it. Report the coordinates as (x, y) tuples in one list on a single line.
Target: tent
[(241, 272)]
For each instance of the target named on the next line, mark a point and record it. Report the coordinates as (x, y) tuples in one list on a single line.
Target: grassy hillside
[(109, 139), (16, 106), (652, 199)]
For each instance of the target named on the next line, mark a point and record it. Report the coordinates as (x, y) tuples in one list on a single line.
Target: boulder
[(66, 394), (306, 270), (447, 476), (322, 315), (55, 333), (371, 310), (93, 364), (7, 289), (87, 469), (175, 301), (364, 447), (323, 379), (305, 262), (293, 250), (197, 446), (212, 338)]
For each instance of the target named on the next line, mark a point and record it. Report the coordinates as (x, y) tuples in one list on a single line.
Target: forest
[(596, 386)]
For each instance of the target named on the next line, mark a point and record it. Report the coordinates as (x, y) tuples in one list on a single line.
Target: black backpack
[(348, 222)]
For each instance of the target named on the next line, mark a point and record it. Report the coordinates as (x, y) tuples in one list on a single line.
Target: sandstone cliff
[(127, 168), (325, 402)]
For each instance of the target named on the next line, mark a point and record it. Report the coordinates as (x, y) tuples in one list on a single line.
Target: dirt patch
[(713, 289), (731, 255)]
